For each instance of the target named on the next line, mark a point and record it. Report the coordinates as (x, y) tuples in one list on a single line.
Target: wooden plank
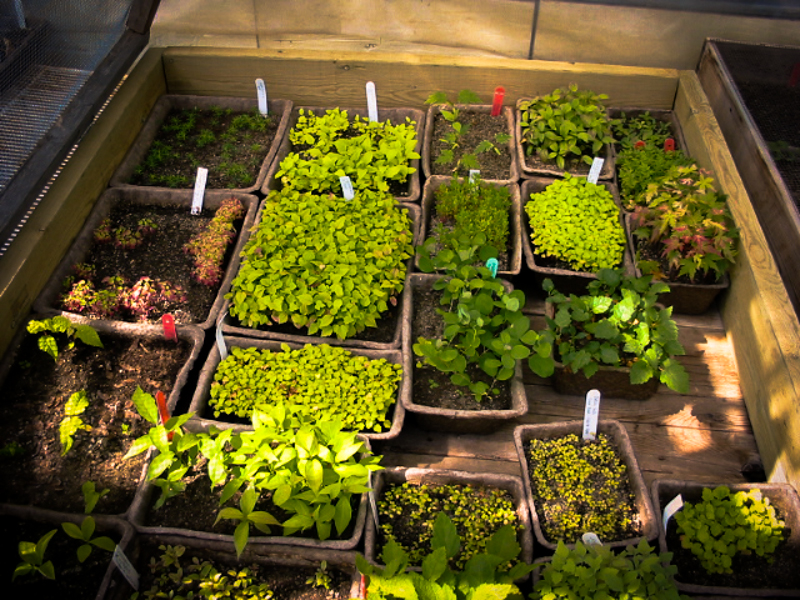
[(331, 79), (56, 221), (757, 312)]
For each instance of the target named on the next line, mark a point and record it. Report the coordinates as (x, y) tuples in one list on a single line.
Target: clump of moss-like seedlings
[(476, 511), (580, 486), (208, 247), (322, 380)]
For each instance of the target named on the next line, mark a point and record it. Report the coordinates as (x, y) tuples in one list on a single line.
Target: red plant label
[(168, 322), (163, 411), (639, 145), (669, 145), (497, 103)]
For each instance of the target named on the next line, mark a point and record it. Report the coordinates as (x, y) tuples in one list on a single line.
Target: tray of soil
[(362, 269), (74, 579), (575, 486), (496, 160), (452, 207), (408, 500), (126, 264), (304, 171), (567, 279), (436, 403), (228, 136), (70, 420), (359, 386), (294, 574), (748, 574)]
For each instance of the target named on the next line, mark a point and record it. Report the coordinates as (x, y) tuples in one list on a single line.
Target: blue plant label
[(492, 265), (347, 187), (590, 415), (261, 92), (474, 174), (223, 349), (199, 190), (591, 539), (126, 568), (372, 102), (594, 172), (670, 509)]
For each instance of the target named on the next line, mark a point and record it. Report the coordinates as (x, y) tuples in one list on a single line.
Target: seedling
[(72, 422), (32, 555), (245, 515), (61, 325)]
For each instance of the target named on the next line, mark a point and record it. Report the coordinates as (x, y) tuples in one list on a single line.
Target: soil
[(74, 580), (482, 126), (175, 227), (249, 149), (34, 396), (287, 582), (748, 571), (502, 255), (433, 387)]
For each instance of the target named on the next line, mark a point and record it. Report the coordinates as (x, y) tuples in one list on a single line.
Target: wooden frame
[(758, 315)]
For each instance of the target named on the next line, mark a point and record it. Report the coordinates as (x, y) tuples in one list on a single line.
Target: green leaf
[(47, 343), (83, 552), (641, 372), (241, 536), (146, 406), (675, 377), (72, 530), (503, 544), (314, 474), (88, 335), (445, 535), (343, 514)]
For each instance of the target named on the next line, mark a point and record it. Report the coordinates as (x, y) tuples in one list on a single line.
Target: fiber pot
[(446, 419), (645, 516), (203, 415), (280, 109), (513, 245), (786, 558), (420, 476)]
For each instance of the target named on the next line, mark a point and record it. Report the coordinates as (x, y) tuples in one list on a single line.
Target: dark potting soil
[(482, 126), (433, 387), (436, 222), (287, 582), (233, 160), (749, 571), (159, 256), (73, 581), (33, 400)]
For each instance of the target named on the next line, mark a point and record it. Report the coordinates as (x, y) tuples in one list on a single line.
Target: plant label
[(669, 145), (474, 174), (347, 187), (163, 411), (126, 568), (594, 172), (590, 415), (199, 190), (591, 539), (373, 504), (372, 102), (492, 265), (20, 14), (261, 91), (497, 103), (168, 322), (223, 349), (670, 509), (639, 145)]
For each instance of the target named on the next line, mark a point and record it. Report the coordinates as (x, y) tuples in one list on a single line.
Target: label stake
[(199, 190), (261, 92), (492, 265), (347, 187), (670, 509), (372, 102), (168, 322), (497, 103), (126, 568), (594, 172), (591, 414)]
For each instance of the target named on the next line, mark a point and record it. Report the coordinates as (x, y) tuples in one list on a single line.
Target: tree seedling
[(32, 555)]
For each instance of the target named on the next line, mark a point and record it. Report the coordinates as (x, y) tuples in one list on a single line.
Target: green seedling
[(85, 534), (72, 422), (32, 556), (245, 516), (61, 325)]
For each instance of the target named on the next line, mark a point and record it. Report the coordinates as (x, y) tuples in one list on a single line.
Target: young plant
[(578, 222), (456, 141), (32, 555), (245, 516), (565, 127), (638, 168), (686, 226), (630, 130), (208, 247), (324, 263), (321, 578), (724, 524), (85, 534), (329, 382), (72, 422), (636, 573), (617, 324), (49, 328), (483, 576)]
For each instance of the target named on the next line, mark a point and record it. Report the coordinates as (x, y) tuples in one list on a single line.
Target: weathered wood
[(55, 223), (757, 312), (328, 79)]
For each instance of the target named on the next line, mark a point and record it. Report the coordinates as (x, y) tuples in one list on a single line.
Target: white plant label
[(372, 503), (199, 190), (591, 539), (594, 172), (126, 568), (223, 349), (590, 415), (474, 174), (670, 509), (347, 187), (261, 90), (372, 102)]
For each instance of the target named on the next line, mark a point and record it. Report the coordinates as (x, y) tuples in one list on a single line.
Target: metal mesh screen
[(48, 50)]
